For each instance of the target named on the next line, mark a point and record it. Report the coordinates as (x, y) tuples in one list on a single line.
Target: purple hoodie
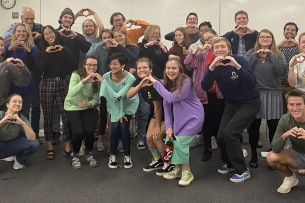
[(187, 120)]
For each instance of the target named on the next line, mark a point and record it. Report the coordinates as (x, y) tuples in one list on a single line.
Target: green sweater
[(115, 93), (78, 93), (10, 131), (286, 123)]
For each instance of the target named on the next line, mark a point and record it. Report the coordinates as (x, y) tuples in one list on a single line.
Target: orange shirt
[(136, 33)]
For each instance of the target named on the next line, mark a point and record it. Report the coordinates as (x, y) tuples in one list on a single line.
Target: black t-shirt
[(149, 94)]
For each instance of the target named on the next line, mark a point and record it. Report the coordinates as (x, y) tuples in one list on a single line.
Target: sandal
[(68, 154), (301, 172), (50, 154)]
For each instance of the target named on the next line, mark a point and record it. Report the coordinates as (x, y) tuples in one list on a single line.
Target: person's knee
[(273, 158), (34, 145)]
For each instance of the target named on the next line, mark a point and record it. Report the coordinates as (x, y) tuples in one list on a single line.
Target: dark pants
[(26, 104), (3, 107), (235, 119), (142, 115), (103, 116), (120, 131), (82, 124), (20, 147), (213, 111), (36, 106), (253, 132)]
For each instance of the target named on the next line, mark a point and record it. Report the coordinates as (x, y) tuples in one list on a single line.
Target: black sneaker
[(165, 169), (207, 155), (154, 165)]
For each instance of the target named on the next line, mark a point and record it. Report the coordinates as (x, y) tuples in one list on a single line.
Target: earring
[(122, 69)]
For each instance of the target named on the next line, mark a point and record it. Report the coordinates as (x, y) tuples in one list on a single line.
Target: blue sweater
[(237, 86), (233, 38)]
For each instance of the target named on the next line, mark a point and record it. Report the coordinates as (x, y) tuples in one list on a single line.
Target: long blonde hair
[(29, 39), (95, 33), (272, 46)]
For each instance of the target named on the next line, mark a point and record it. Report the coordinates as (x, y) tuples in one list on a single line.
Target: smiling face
[(221, 48), (106, 36), (28, 17), (241, 19), (90, 66), (296, 107), (192, 19), (115, 66), (143, 70), (14, 104), (154, 35), (120, 38), (117, 21), (179, 37), (302, 44), (208, 37), (20, 33), (290, 32), (265, 40), (1, 46), (88, 28), (49, 36), (66, 21), (172, 70)]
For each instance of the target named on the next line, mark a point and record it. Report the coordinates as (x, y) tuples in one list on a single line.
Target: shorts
[(181, 151), (299, 157)]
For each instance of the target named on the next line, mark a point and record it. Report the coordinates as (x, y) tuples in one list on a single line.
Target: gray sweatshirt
[(267, 72)]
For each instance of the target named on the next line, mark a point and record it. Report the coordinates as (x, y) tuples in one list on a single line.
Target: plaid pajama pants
[(51, 89)]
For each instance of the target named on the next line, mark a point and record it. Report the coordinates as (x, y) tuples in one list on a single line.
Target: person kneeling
[(291, 125), (16, 136)]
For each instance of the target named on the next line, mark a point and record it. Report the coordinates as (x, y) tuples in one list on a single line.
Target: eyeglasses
[(208, 38), (193, 19), (91, 65), (155, 33), (265, 37), (117, 20)]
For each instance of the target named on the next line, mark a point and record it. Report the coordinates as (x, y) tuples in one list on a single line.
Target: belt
[(56, 79)]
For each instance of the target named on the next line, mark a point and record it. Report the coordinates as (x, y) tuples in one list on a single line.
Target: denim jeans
[(120, 130), (142, 118), (20, 147)]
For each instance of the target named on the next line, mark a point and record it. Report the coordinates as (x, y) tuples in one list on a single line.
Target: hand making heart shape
[(263, 52), (65, 32), (243, 30), (300, 58)]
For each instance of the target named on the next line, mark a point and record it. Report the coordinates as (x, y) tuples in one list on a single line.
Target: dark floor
[(56, 181)]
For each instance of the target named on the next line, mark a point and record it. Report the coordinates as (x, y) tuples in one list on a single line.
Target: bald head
[(28, 16)]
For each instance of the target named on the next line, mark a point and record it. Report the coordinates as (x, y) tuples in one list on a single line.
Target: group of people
[(203, 86)]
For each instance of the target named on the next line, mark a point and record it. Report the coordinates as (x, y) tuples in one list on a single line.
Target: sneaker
[(240, 178), (76, 163), (214, 143), (91, 161), (82, 150), (127, 162), (245, 153), (17, 165), (176, 173), (165, 169), (197, 141), (224, 169), (120, 147), (100, 146), (140, 145), (112, 162), (288, 183), (154, 165), (10, 158), (187, 178)]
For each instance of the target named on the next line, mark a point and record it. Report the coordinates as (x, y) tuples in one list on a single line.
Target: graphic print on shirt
[(149, 95), (234, 76)]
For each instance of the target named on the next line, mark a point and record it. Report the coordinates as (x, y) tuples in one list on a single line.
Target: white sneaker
[(82, 150), (140, 145), (120, 147), (245, 153), (112, 162), (214, 143), (10, 158), (197, 141), (127, 162), (17, 165), (100, 146), (288, 183)]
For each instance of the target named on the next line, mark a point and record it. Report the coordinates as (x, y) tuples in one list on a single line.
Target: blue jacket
[(233, 38), (236, 86)]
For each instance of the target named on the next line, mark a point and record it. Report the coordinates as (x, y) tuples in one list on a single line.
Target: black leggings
[(253, 132), (82, 124)]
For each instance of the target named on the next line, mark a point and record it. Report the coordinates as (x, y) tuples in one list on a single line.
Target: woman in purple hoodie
[(178, 98)]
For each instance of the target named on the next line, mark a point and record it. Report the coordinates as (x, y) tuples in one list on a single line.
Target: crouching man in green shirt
[(292, 126)]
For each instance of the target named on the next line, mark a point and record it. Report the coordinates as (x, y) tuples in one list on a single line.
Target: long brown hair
[(186, 41), (82, 73), (177, 83), (272, 46)]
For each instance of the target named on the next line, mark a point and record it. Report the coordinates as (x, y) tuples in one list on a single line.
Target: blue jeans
[(142, 118), (120, 130), (20, 147)]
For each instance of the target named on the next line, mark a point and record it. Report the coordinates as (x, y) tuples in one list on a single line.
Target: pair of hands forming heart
[(243, 30), (224, 61), (147, 81), (300, 58), (55, 48), (128, 23), (287, 43), (295, 132), (85, 12), (19, 45), (65, 32), (13, 119), (263, 52), (111, 43), (202, 48), (15, 62)]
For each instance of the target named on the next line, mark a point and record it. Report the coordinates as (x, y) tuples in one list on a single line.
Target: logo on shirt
[(149, 95), (234, 76), (158, 52)]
